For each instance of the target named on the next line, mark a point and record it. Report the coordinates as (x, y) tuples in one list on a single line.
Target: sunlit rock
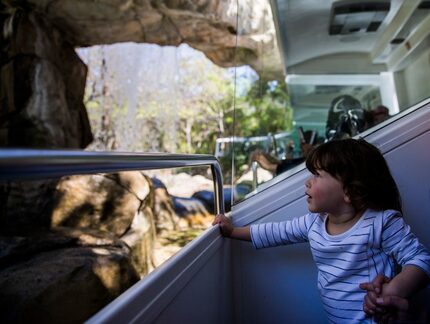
[(120, 204)]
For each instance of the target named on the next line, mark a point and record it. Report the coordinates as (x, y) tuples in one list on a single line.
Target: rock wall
[(61, 276), (42, 86), (42, 90), (228, 35), (98, 242)]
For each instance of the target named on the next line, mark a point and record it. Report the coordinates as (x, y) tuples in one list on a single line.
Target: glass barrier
[(345, 67), (97, 221), (106, 76)]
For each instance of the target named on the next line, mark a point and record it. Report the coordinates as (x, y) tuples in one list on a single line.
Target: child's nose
[(308, 183)]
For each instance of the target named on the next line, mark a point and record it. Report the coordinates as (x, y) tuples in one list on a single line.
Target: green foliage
[(263, 110), (259, 114), (202, 114), (269, 109)]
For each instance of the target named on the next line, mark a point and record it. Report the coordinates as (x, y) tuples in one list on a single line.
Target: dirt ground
[(170, 242)]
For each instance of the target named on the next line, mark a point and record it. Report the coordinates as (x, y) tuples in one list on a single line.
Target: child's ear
[(346, 198)]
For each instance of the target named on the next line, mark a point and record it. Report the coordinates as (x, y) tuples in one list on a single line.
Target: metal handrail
[(27, 164)]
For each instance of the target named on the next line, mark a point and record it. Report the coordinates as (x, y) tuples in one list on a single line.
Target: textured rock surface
[(42, 90), (42, 87), (61, 277), (210, 26), (120, 204), (107, 202), (97, 241)]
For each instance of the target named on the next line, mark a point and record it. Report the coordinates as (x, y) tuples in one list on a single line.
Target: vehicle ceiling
[(304, 26)]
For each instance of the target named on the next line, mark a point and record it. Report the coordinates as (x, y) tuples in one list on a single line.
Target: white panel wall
[(417, 79), (412, 83), (413, 177)]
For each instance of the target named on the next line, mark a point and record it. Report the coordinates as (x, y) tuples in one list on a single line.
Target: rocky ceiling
[(206, 25)]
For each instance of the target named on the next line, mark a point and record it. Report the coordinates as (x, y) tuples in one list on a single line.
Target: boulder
[(63, 276), (25, 205), (166, 217), (97, 242), (121, 204)]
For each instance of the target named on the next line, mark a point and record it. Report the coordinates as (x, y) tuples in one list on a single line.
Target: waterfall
[(145, 89), (138, 75)]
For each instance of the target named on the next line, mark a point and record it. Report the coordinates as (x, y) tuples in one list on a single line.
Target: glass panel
[(108, 76), (150, 98), (111, 228), (349, 66)]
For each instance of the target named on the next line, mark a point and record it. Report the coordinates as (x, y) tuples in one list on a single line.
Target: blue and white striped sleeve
[(282, 233), (398, 241)]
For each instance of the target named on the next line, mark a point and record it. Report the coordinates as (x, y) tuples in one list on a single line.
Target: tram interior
[(376, 51)]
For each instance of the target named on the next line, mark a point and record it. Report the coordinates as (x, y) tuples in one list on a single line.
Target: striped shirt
[(374, 245)]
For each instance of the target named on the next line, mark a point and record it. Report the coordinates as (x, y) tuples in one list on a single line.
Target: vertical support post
[(218, 189)]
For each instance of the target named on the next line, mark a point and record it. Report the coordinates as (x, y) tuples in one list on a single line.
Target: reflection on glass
[(349, 65)]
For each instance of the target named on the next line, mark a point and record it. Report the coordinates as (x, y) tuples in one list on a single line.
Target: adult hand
[(399, 303), (397, 309), (383, 308), (266, 161)]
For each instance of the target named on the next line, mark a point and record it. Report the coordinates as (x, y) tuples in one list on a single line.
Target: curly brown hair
[(363, 171)]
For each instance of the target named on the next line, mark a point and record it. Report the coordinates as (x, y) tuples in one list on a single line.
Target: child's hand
[(224, 223)]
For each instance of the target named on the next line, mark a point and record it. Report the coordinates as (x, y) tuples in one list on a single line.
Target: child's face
[(325, 194)]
